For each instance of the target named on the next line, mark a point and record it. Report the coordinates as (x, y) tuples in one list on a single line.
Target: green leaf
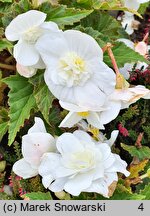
[(38, 196), (5, 44), (63, 15), (123, 54), (15, 9), (146, 192), (107, 5), (3, 129), (102, 22), (3, 122), (143, 7), (6, 1), (43, 96), (142, 153), (21, 101), (122, 193)]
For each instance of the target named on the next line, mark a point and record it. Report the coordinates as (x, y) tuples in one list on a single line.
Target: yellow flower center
[(72, 62), (83, 114), (73, 70)]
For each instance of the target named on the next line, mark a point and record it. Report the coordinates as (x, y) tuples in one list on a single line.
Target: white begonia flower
[(34, 145), (142, 49), (129, 23), (76, 73), (27, 28), (81, 165)]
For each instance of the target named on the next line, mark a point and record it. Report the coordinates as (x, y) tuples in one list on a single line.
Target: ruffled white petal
[(24, 169), (68, 143), (77, 184), (119, 166), (49, 162), (24, 22)]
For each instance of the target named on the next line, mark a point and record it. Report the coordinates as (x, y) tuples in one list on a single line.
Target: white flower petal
[(110, 178), (23, 168), (49, 162), (85, 42), (77, 184), (26, 54), (132, 4), (102, 76), (70, 120), (113, 138), (83, 136), (24, 22), (98, 186), (93, 99), (68, 143), (107, 116), (119, 166), (34, 145), (94, 120), (72, 107), (56, 48), (58, 185), (63, 171), (26, 71), (47, 180), (38, 126)]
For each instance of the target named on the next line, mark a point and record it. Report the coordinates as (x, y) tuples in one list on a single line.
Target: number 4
[(141, 207)]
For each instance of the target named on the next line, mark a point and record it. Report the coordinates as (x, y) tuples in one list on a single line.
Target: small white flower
[(76, 73), (27, 28), (34, 145), (82, 165), (130, 95), (129, 23)]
